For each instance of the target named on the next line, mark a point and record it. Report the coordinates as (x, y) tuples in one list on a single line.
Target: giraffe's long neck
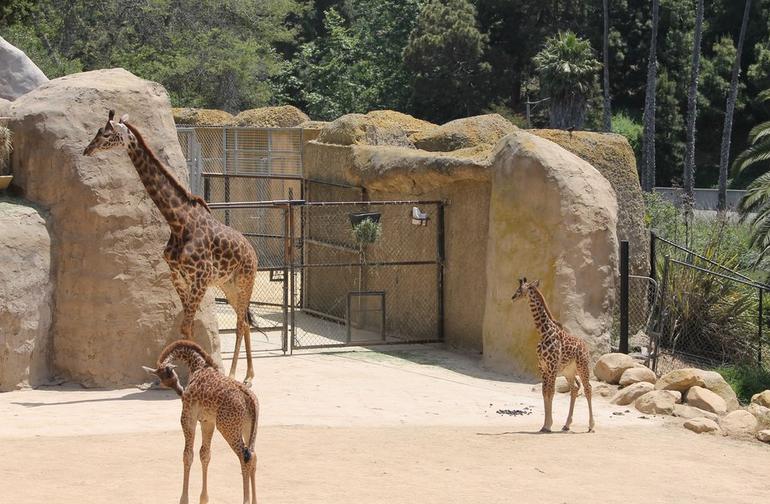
[(171, 198), (544, 320), (192, 358)]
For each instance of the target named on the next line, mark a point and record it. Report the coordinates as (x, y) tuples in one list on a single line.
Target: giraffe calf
[(214, 400)]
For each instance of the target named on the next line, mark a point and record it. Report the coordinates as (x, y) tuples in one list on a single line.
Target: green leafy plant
[(746, 380), (366, 232), (624, 124)]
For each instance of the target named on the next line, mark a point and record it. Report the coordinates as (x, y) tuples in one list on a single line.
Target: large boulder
[(464, 133), (739, 423), (636, 375), (707, 400), (360, 129), (115, 307), (761, 413), (552, 218), (717, 384), (201, 117), (284, 116), (688, 412), (18, 74), (657, 402), (631, 393), (610, 367), (680, 379), (25, 297), (612, 155)]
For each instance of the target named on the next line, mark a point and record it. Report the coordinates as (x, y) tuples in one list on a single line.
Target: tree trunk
[(606, 51), (727, 130), (692, 108), (567, 111), (648, 148)]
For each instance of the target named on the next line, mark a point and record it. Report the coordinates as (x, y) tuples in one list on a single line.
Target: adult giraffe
[(201, 250)]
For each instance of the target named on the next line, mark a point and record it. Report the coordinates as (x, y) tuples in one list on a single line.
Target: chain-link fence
[(709, 315), (643, 295)]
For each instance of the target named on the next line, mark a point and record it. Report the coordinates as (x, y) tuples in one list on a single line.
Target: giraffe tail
[(253, 404), (253, 323)]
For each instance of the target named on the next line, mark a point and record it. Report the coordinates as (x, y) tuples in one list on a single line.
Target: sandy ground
[(415, 425)]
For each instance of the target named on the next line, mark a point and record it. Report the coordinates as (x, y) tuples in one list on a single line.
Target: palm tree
[(648, 142), (755, 205), (567, 70), (606, 57), (692, 107), (727, 130)]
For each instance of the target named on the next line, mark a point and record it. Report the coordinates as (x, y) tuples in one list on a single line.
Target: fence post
[(653, 265), (759, 330), (623, 346)]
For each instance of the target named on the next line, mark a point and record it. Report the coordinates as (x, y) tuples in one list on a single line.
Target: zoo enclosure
[(693, 312), (319, 283)]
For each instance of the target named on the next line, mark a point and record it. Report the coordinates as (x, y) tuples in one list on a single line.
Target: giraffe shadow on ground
[(531, 433), (144, 395)]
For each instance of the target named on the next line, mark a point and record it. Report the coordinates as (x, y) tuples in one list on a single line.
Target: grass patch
[(746, 380)]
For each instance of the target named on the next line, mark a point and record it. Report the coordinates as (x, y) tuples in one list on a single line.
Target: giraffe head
[(167, 375), (524, 288), (109, 136)]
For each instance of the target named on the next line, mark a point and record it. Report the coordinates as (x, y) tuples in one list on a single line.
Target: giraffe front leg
[(549, 385), (584, 378), (207, 429), (188, 428), (573, 392), (245, 286), (193, 301)]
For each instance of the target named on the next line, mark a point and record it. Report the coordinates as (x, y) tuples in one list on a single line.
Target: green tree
[(567, 70), (692, 106), (444, 56), (648, 159)]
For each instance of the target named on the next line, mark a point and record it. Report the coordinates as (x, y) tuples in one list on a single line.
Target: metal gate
[(344, 273)]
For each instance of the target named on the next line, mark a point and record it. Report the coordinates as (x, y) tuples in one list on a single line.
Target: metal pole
[(290, 211), (286, 260), (440, 252), (653, 266), (623, 346)]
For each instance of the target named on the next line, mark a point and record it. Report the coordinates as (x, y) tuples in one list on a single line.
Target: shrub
[(624, 124), (746, 380)]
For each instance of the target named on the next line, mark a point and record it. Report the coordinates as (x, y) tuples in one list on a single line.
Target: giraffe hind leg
[(549, 385), (584, 374)]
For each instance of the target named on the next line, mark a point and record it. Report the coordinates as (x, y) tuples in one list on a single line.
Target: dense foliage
[(437, 59)]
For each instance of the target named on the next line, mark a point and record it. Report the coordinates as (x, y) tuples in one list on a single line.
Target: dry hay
[(5, 148), (285, 116), (483, 130), (201, 117), (315, 125), (406, 122)]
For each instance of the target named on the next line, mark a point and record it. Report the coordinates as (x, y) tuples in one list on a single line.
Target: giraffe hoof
[(545, 430), (247, 382), (565, 428)]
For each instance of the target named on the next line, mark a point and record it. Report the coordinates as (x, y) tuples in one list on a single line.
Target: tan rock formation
[(631, 393), (636, 375), (701, 425), (285, 116), (18, 73), (680, 379), (688, 412), (201, 117), (612, 155), (762, 398), (25, 297), (552, 217), (468, 132), (360, 129), (657, 402), (706, 400), (738, 423), (115, 307)]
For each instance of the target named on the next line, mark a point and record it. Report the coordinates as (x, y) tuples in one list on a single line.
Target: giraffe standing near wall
[(558, 353), (214, 400), (201, 250)]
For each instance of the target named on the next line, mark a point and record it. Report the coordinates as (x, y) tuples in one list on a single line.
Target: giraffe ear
[(524, 280), (536, 283), (150, 370), (111, 116), (123, 118)]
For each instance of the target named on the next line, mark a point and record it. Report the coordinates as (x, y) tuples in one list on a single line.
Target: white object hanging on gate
[(419, 218)]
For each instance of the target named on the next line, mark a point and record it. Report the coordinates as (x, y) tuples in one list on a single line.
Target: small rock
[(680, 379), (706, 400), (688, 412), (656, 402), (701, 424), (738, 423), (761, 413), (561, 384), (763, 398), (602, 389), (764, 436), (636, 375), (677, 396), (610, 367), (629, 394)]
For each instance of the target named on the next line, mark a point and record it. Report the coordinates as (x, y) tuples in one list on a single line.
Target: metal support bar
[(623, 345), (440, 251), (286, 260)]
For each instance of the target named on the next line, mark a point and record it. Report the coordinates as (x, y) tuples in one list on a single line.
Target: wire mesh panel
[(642, 303), (370, 273)]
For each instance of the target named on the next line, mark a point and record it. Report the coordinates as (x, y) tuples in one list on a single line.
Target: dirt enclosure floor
[(415, 425)]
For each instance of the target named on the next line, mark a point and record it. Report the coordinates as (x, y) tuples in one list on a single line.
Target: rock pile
[(703, 399)]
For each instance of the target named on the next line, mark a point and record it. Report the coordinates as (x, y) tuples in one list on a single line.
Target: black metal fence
[(342, 273), (693, 312)]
